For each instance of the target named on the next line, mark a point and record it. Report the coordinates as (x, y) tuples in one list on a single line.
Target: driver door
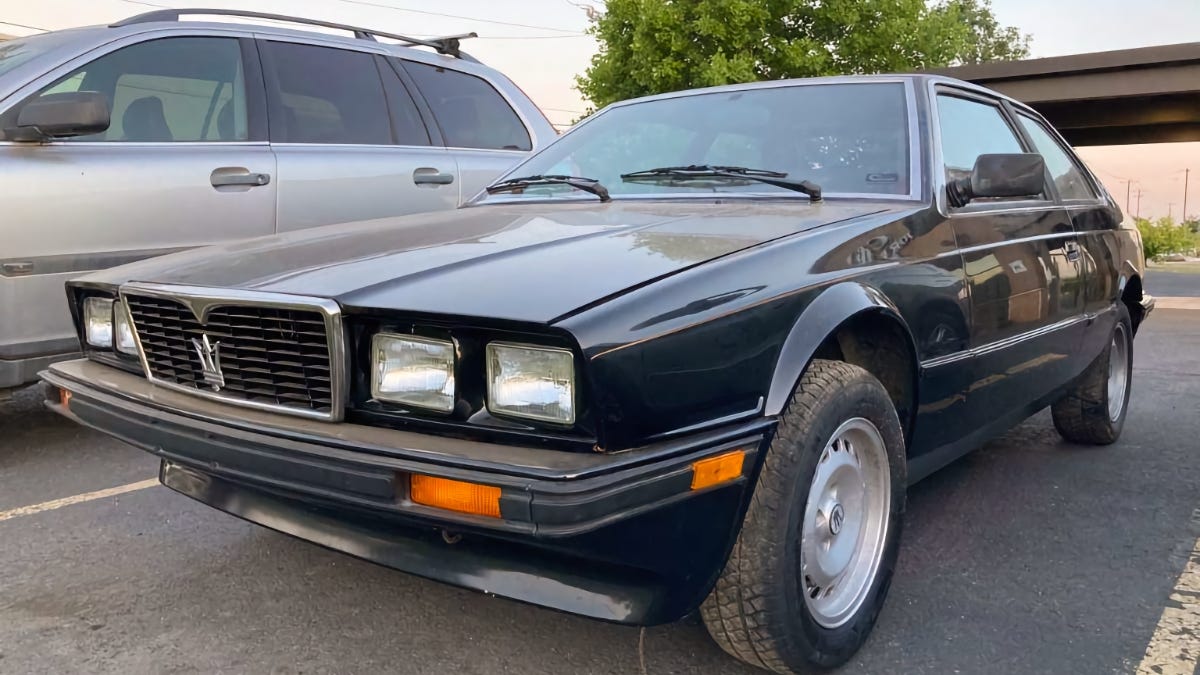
[(184, 163), (1021, 260)]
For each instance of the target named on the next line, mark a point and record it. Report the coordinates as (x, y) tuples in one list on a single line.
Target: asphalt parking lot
[(1028, 556)]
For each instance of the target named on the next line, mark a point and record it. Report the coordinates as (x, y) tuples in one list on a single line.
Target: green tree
[(1164, 236), (652, 46)]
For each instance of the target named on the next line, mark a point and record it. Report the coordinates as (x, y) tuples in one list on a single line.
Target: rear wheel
[(1093, 410), (813, 561)]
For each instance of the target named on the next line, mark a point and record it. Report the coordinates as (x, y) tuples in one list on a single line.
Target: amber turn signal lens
[(717, 470), (455, 495), (64, 397)]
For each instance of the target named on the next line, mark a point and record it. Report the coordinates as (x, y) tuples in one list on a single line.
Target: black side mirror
[(1011, 175), (75, 113)]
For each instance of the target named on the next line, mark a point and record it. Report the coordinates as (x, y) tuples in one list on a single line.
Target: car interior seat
[(144, 120)]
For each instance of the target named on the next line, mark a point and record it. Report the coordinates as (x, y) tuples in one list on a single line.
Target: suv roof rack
[(448, 45)]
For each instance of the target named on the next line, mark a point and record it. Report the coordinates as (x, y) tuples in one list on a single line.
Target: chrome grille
[(270, 356)]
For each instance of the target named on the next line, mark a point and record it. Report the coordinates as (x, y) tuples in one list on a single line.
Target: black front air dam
[(631, 546)]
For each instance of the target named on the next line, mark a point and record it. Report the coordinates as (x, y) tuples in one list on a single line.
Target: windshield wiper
[(578, 182), (677, 173)]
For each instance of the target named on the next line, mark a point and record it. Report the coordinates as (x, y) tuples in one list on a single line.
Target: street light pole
[(1138, 213), (1186, 174), (1128, 183)]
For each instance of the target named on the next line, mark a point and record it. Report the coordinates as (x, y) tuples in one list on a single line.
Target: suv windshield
[(848, 138), (16, 52)]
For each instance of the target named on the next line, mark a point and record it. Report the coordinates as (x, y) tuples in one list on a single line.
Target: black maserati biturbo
[(690, 355)]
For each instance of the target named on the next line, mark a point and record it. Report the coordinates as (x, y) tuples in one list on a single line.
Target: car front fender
[(831, 309)]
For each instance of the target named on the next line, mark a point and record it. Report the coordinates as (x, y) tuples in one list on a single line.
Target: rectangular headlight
[(533, 382), (122, 329), (413, 370), (98, 321)]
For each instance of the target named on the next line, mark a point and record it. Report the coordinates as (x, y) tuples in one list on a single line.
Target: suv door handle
[(232, 175), (430, 176)]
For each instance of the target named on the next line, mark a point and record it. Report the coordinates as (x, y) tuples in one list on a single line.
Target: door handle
[(16, 269), (430, 176), (226, 176)]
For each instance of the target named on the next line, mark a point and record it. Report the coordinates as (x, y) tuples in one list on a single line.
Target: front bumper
[(15, 373), (618, 537), (1147, 302)]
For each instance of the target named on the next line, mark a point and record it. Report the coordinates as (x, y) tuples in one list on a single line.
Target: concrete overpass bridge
[(1146, 95)]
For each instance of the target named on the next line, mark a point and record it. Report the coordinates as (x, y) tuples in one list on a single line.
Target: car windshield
[(847, 138), (16, 52)]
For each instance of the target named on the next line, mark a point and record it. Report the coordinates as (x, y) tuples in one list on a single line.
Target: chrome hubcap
[(1118, 372), (845, 523)]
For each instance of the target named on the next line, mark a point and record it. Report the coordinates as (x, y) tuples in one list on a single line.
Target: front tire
[(1093, 410), (813, 561)]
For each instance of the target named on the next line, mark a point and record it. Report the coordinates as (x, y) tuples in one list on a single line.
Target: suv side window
[(167, 90), (325, 95), (1069, 180), (969, 129), (470, 112)]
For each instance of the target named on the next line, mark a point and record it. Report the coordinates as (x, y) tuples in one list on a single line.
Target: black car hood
[(527, 262)]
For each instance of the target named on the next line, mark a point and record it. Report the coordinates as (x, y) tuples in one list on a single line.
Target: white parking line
[(1175, 647), (77, 499)]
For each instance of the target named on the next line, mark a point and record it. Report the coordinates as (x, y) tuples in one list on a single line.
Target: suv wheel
[(1093, 409), (813, 561)]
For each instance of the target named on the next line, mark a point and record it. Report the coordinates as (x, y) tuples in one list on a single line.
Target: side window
[(1069, 180), (169, 90), (325, 95), (469, 111), (970, 129)]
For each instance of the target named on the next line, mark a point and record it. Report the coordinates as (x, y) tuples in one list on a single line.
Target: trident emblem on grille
[(210, 361)]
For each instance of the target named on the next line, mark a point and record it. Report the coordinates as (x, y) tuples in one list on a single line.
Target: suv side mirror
[(1009, 175), (75, 113)]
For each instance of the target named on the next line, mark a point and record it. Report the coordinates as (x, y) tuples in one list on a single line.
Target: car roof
[(88, 37), (918, 79), (308, 35)]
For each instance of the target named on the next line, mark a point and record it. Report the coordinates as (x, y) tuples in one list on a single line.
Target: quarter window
[(326, 95), (67, 86), (970, 129), (1067, 176), (170, 90), (469, 111)]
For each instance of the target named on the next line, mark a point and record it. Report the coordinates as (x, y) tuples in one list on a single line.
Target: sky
[(540, 44)]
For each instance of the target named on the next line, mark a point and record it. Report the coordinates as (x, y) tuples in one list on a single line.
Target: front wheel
[(1093, 409), (812, 564)]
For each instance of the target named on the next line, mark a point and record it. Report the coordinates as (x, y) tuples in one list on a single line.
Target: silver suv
[(157, 134)]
